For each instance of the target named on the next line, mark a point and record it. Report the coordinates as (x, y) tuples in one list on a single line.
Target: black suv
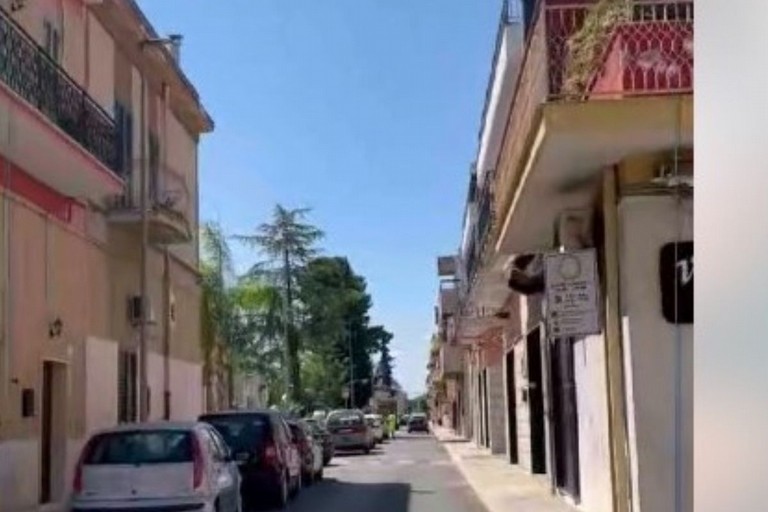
[(260, 442)]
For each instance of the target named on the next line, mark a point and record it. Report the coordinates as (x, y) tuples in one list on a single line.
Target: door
[(511, 406), (565, 416), (536, 403), (53, 432)]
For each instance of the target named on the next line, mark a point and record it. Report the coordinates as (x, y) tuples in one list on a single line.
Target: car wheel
[(319, 476), (296, 486), (281, 497), (367, 450)]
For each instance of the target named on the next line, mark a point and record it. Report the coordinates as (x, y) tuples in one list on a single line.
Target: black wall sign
[(676, 273)]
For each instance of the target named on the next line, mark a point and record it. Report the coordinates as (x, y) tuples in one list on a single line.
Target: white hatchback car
[(165, 466)]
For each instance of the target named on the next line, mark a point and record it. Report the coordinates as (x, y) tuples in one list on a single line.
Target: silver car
[(156, 466), (349, 430)]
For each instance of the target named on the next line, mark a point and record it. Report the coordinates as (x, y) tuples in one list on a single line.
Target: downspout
[(7, 335), (614, 358), (167, 334), (168, 317), (144, 278)]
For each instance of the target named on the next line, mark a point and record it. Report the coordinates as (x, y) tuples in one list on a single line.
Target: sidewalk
[(501, 486)]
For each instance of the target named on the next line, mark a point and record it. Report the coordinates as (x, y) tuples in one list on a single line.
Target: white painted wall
[(502, 89), (18, 473), (593, 426), (186, 383), (100, 384), (646, 223)]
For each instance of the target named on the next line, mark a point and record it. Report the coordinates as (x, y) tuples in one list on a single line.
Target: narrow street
[(413, 473)]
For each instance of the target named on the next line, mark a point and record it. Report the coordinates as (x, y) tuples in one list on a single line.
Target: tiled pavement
[(500, 486)]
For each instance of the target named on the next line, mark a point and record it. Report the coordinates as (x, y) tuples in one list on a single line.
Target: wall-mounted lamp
[(55, 328)]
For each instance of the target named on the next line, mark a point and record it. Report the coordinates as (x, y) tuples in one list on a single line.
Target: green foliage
[(288, 243), (588, 44), (298, 320)]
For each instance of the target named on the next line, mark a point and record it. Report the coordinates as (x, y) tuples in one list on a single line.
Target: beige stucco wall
[(101, 64), (646, 223)]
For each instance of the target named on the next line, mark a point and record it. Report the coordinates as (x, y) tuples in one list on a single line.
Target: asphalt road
[(413, 473)]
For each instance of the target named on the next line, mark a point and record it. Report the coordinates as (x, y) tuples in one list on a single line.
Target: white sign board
[(572, 285)]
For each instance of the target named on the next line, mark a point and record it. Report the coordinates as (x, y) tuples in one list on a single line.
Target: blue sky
[(367, 111)]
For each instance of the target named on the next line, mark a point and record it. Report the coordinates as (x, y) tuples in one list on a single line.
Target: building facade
[(585, 145), (96, 120)]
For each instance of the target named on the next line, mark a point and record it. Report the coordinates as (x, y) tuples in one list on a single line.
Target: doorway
[(536, 402), (565, 416), (53, 432), (511, 406)]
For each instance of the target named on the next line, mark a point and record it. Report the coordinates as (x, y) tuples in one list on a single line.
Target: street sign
[(572, 307)]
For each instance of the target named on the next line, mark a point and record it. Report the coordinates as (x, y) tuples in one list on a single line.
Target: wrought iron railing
[(167, 194), (30, 72)]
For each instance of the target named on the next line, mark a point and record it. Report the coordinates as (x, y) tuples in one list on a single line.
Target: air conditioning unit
[(573, 229), (135, 311)]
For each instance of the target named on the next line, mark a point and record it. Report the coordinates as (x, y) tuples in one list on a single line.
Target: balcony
[(447, 300), (599, 81), (50, 110), (451, 361), (169, 207)]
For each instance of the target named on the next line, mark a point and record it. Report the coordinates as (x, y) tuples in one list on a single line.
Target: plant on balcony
[(586, 46)]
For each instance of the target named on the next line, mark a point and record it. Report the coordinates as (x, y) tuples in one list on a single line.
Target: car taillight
[(270, 455), (198, 463), (77, 481)]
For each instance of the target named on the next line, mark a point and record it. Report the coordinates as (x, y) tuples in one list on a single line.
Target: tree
[(216, 311), (336, 330), (288, 243), (385, 361)]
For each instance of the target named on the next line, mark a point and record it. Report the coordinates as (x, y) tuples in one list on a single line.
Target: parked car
[(417, 422), (310, 451), (350, 431), (156, 466), (262, 446), (375, 422), (404, 420), (320, 432)]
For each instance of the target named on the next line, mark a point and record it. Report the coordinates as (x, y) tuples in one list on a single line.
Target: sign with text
[(676, 275), (572, 294)]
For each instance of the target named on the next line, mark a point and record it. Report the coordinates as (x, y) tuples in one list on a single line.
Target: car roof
[(152, 425)]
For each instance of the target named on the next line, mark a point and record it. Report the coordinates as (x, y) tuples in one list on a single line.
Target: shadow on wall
[(338, 496)]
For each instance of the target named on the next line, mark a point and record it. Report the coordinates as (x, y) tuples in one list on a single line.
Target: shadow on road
[(333, 495), (375, 451)]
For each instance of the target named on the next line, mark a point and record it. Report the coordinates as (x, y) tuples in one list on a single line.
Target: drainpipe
[(614, 360), (166, 276), (144, 278), (167, 334), (7, 335)]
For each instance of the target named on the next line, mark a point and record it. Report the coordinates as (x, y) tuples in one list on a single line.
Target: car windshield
[(140, 447), (242, 432)]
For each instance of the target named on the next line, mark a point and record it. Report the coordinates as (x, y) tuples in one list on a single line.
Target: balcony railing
[(599, 50), (168, 197), (30, 72)]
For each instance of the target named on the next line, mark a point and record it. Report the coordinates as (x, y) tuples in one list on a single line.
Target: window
[(141, 447), (127, 395), (52, 40), (123, 140)]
